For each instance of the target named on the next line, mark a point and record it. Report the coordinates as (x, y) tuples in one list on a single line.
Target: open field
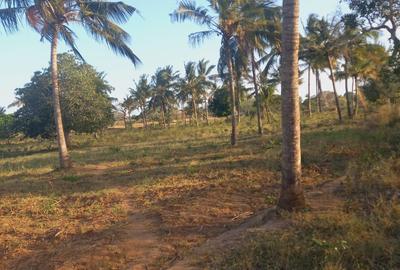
[(150, 199)]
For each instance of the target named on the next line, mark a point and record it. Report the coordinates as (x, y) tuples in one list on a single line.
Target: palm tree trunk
[(206, 109), (334, 88), (253, 69), (318, 90), (65, 161), (232, 92), (163, 115), (346, 83), (238, 105), (292, 195), (145, 116), (194, 105), (355, 96), (309, 91)]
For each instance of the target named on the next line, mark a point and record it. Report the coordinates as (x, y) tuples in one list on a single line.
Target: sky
[(156, 41)]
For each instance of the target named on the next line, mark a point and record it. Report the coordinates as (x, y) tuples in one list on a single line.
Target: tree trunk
[(232, 93), (346, 83), (163, 115), (68, 138), (194, 105), (144, 116), (292, 195), (309, 92), (334, 89), (356, 96), (318, 90), (253, 69), (65, 161), (206, 108), (238, 103)]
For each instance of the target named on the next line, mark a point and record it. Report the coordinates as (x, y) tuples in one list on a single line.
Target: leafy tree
[(6, 125), (52, 20), (84, 98), (219, 104), (380, 15)]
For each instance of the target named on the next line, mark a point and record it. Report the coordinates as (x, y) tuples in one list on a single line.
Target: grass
[(363, 234), (199, 186)]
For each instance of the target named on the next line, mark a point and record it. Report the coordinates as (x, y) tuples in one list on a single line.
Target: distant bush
[(6, 126)]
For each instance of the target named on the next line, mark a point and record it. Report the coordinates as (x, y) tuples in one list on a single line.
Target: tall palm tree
[(140, 94), (128, 105), (189, 89), (163, 84), (223, 25), (292, 196), (327, 42), (206, 82), (261, 20), (52, 20)]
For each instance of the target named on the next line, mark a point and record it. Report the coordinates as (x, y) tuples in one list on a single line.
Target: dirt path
[(134, 245)]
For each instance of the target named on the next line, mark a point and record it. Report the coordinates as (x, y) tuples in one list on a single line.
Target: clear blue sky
[(155, 40)]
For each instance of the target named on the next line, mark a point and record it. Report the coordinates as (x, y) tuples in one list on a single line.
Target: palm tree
[(292, 196), (189, 89), (205, 80), (52, 20), (140, 94), (163, 83), (223, 25), (128, 105), (256, 32), (326, 43)]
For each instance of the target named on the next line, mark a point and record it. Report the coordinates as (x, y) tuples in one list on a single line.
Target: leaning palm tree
[(292, 196), (52, 20), (223, 25)]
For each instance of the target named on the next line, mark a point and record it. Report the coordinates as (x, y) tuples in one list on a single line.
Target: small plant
[(71, 178)]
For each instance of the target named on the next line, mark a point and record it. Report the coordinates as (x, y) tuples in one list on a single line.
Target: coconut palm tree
[(224, 24), (292, 196), (189, 89), (326, 41), (163, 84), (140, 94), (127, 106), (206, 81), (256, 32), (52, 20)]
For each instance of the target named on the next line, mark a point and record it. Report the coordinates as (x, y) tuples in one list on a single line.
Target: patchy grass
[(191, 179), (364, 234)]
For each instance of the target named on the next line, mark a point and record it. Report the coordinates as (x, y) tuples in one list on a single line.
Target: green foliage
[(220, 104), (85, 100), (6, 126)]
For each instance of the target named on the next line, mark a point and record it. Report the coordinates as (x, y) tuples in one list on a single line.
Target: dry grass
[(191, 182)]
